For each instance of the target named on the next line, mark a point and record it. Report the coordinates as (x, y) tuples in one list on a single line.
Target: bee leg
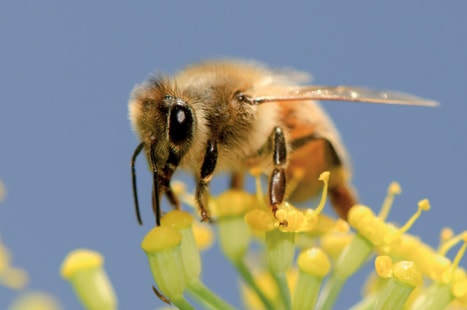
[(341, 192), (169, 169), (133, 181), (302, 141), (162, 297), (156, 207), (277, 181), (206, 173), (343, 198), (173, 199), (237, 180)]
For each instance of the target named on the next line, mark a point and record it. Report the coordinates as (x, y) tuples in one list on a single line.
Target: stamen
[(393, 190), (448, 244), (423, 205), (449, 274), (445, 235), (325, 178)]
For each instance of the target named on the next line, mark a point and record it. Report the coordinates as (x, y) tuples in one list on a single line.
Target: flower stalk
[(162, 247), (313, 265), (191, 259)]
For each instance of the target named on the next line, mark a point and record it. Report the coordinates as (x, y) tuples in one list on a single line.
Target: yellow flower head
[(84, 270)]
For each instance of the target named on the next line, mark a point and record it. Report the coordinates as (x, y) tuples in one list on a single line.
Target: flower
[(175, 262), (84, 270)]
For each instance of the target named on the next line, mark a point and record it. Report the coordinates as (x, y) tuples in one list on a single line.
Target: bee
[(232, 116)]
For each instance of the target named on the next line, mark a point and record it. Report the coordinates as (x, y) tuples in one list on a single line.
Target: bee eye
[(180, 124)]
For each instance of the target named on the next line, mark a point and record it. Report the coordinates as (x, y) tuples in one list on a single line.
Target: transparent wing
[(336, 93)]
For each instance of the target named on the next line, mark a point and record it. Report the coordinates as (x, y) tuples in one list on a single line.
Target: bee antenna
[(133, 181), (155, 186)]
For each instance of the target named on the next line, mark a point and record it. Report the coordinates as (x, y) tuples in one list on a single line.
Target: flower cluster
[(295, 259), (302, 259)]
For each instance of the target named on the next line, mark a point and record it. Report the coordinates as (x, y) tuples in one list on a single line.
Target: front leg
[(206, 173), (170, 166)]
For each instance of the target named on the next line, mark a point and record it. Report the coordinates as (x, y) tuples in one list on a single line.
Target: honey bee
[(232, 116)]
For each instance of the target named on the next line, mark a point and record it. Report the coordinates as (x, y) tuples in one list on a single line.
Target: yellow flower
[(329, 253), (84, 270)]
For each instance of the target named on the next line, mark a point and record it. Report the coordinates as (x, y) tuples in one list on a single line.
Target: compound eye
[(180, 124)]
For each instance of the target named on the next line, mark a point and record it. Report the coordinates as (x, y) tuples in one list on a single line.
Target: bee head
[(162, 117)]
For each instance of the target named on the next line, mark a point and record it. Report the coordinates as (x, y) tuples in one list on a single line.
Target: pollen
[(379, 233), (260, 220), (407, 272), (404, 271), (300, 221), (293, 218), (370, 226), (383, 266)]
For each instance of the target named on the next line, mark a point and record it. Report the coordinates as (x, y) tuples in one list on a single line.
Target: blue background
[(66, 71)]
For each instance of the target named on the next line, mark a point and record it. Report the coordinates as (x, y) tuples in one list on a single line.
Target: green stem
[(250, 281), (437, 296), (330, 292), (207, 297), (393, 296), (181, 303), (306, 291), (354, 255), (367, 303), (350, 260), (284, 291)]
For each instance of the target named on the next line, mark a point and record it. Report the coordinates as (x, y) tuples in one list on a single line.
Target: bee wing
[(336, 93)]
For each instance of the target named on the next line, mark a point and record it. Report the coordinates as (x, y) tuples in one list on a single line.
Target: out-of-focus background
[(66, 71)]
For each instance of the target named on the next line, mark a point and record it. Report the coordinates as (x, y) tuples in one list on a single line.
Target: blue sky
[(66, 71)]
